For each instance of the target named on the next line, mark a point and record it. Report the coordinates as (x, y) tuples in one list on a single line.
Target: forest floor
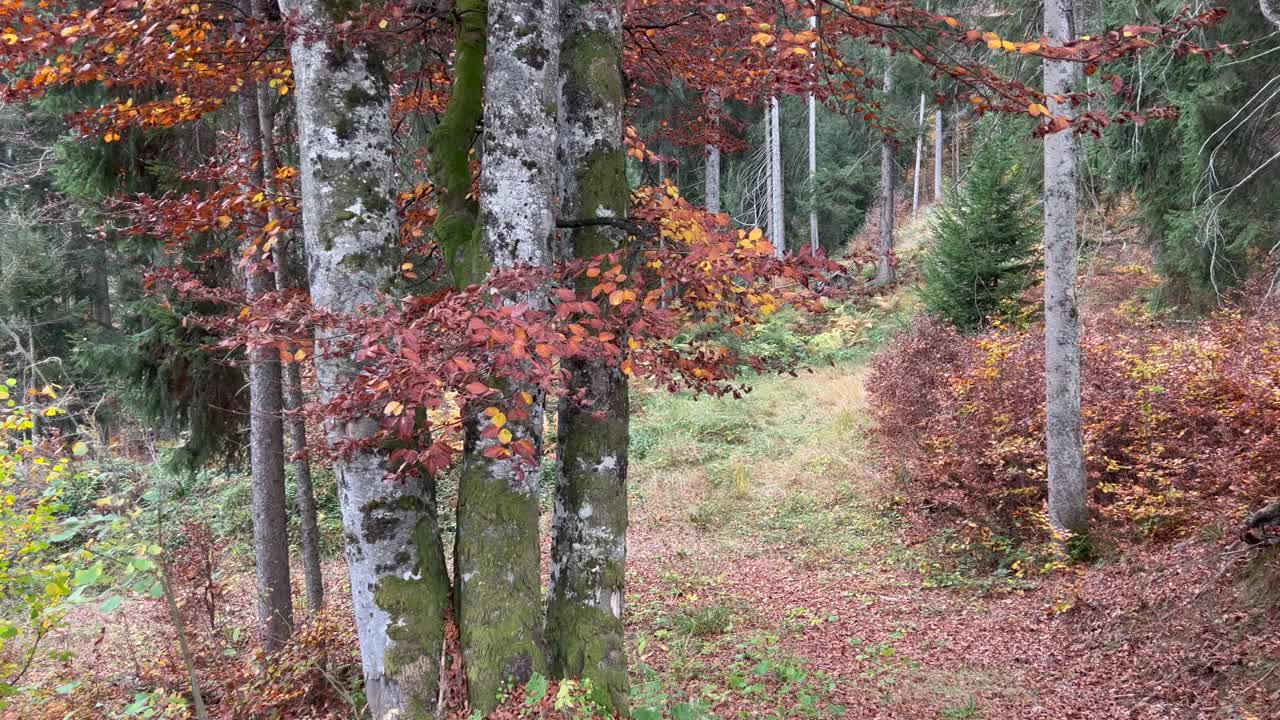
[(772, 575)]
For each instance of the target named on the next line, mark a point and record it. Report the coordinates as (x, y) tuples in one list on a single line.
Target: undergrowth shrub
[(1181, 424)]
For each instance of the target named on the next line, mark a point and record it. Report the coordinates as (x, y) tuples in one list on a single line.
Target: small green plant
[(984, 239), (967, 710)]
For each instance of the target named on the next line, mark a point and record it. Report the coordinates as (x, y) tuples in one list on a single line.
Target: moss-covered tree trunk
[(452, 142), (500, 616), (584, 614), (399, 583), (266, 436), (291, 372)]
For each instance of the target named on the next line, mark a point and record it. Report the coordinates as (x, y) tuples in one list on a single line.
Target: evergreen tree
[(984, 237)]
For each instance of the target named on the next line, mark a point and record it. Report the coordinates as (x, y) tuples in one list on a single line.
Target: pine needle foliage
[(984, 241)]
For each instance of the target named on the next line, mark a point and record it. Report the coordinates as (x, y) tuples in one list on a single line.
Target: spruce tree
[(984, 241)]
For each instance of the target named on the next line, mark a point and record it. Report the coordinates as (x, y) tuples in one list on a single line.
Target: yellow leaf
[(393, 408), (504, 436), (224, 220), (383, 24), (499, 419), (762, 39)]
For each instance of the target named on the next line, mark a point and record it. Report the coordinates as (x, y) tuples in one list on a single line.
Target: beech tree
[(500, 612), (1068, 496), (588, 555), (399, 584)]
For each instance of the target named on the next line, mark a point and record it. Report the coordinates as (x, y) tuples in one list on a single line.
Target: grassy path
[(772, 578)]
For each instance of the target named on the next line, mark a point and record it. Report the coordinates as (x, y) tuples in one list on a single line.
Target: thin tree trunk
[(1068, 498), (500, 615), (915, 189), (291, 372), (885, 271), (777, 219), (711, 173), (266, 434), (712, 180), (399, 583), (184, 647), (588, 556), (813, 159), (939, 149), (955, 147)]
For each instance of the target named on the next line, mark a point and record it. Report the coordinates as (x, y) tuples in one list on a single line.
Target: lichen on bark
[(499, 597), (588, 566), (351, 230)]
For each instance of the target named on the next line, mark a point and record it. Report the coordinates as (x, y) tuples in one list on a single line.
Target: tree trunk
[(915, 188), (711, 174), (1068, 498), (290, 372), (938, 151), (399, 583), (777, 219), (813, 159), (266, 434), (500, 616), (588, 556), (451, 142), (885, 272)]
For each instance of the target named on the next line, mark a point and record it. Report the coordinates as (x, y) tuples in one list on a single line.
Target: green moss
[(450, 146), (416, 607), (497, 562)]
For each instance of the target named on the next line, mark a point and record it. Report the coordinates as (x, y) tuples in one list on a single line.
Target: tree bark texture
[(500, 616), (588, 560), (291, 372), (399, 583), (266, 435), (711, 173), (1068, 496)]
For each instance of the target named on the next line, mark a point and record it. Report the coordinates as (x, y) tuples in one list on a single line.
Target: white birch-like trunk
[(939, 149), (398, 582), (885, 271), (1068, 498), (813, 158), (711, 189), (915, 189), (777, 221), (500, 615), (711, 172)]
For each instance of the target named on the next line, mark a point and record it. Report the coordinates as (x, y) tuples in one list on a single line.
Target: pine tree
[(985, 235)]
